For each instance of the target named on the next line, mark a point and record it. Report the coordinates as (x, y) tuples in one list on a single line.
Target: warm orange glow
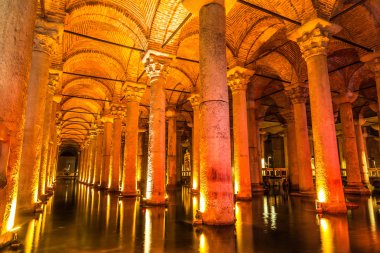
[(326, 235), (195, 183), (149, 186), (321, 195), (202, 243), (148, 231), (29, 236), (11, 220), (202, 202)]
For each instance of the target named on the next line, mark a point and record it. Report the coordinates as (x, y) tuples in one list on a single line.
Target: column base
[(6, 239), (303, 194), (357, 190), (103, 188), (171, 187), (257, 188), (129, 194), (243, 196), (154, 202), (195, 191), (331, 208), (44, 197), (113, 190)]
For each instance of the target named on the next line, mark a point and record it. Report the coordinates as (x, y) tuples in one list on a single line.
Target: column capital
[(347, 97), (313, 37), (54, 78), (194, 99), (195, 6), (373, 61), (288, 115), (118, 110), (46, 36), (134, 91), (107, 118), (171, 112), (238, 78), (297, 92), (156, 63)]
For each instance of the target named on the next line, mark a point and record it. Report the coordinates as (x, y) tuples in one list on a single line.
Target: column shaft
[(362, 154), (99, 158), (216, 189), (292, 157), (34, 122), (241, 152), (194, 100), (129, 181), (303, 149), (116, 153), (354, 182), (107, 159), (172, 152)]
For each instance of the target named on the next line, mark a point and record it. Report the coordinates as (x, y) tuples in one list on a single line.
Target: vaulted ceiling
[(104, 41)]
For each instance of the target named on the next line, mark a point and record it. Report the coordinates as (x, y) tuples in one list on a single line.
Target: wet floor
[(80, 219)]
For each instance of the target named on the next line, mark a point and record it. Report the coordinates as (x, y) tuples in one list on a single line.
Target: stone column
[(238, 79), (117, 112), (44, 40), (133, 95), (293, 170), (216, 189), (16, 39), (298, 94), (87, 160), (313, 38), (81, 163), (155, 66), (342, 160), (354, 182), (107, 156), (254, 149), (140, 155), (93, 149), (99, 156), (172, 148), (362, 152), (195, 100)]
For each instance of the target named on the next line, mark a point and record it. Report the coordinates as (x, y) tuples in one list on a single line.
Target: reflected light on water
[(326, 236), (28, 243), (108, 210), (148, 231), (202, 244)]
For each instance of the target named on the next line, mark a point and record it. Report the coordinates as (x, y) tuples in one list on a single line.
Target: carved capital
[(156, 63), (171, 112), (288, 115), (373, 62), (118, 110), (297, 93), (134, 92), (194, 99), (314, 36), (53, 82), (347, 97), (46, 36), (238, 78)]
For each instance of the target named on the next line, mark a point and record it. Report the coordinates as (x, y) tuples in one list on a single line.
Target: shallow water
[(80, 219)]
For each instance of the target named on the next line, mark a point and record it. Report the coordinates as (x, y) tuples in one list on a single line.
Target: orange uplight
[(11, 219), (195, 184), (321, 195), (202, 202)]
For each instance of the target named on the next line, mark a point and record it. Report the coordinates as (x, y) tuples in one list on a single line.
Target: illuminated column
[(172, 147), (17, 20), (55, 130), (155, 66), (117, 112), (354, 181), (254, 148), (195, 100), (133, 95), (294, 178), (53, 82), (298, 94), (86, 160), (216, 188), (107, 156), (44, 40), (339, 136), (93, 149), (99, 156), (313, 38), (362, 152), (81, 163), (238, 79), (140, 155), (262, 138)]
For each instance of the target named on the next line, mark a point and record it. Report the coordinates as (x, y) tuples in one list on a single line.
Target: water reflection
[(80, 218)]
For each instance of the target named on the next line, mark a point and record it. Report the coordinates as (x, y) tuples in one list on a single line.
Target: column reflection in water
[(334, 234), (154, 229), (217, 239), (243, 225), (33, 233), (128, 221)]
